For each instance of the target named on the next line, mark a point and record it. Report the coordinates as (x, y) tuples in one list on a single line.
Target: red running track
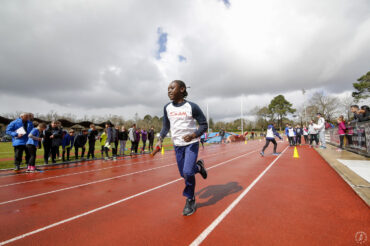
[(281, 201)]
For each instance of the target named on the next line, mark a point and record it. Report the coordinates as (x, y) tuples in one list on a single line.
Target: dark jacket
[(151, 134), (123, 135), (80, 140), (57, 133), (92, 135)]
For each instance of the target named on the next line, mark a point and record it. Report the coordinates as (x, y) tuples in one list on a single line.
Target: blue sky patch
[(182, 58), (162, 42)]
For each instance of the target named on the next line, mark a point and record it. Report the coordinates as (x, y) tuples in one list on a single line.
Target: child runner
[(67, 143), (180, 116), (270, 137), (32, 144), (341, 131)]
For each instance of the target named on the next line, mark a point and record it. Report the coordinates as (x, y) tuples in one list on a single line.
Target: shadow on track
[(216, 193)]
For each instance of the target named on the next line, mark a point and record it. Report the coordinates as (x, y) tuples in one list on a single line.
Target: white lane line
[(108, 205), (89, 183), (94, 170), (71, 174), (217, 221)]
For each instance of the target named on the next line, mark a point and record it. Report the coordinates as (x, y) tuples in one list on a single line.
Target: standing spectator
[(222, 134), (110, 138), (356, 114), (349, 134), (151, 138), (47, 143), (122, 136), (365, 113), (32, 144), (104, 149), (144, 137), (291, 135), (92, 136), (299, 133), (19, 130), (56, 139), (286, 131), (321, 129), (59, 124), (138, 132), (252, 135), (80, 142), (67, 143), (305, 134), (132, 137), (312, 133), (115, 131), (341, 131)]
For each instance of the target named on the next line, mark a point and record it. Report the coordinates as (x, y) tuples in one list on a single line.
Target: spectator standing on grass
[(59, 124), (67, 143), (305, 134), (321, 130), (138, 132), (104, 148), (92, 136), (80, 142), (151, 138), (132, 137), (286, 131), (47, 143), (122, 136), (109, 143), (144, 137), (32, 144), (19, 129), (341, 131), (116, 140), (56, 139), (222, 134)]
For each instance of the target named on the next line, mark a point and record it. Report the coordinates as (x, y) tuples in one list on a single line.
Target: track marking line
[(95, 170), (89, 183), (217, 221), (110, 204)]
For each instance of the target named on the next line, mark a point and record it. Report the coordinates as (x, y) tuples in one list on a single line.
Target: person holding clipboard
[(19, 130)]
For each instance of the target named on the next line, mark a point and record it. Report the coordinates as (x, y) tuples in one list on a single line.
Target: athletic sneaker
[(190, 207), (262, 154), (106, 158), (276, 154), (114, 158), (202, 169), (17, 168)]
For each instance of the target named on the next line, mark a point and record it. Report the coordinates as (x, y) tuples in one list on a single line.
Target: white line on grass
[(217, 221), (108, 205)]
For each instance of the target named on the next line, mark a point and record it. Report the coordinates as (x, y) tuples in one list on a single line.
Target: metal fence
[(357, 138)]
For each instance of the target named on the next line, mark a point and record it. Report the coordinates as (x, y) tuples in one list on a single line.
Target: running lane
[(298, 202), (38, 212)]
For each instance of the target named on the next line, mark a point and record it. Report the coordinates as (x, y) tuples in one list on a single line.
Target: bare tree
[(327, 105)]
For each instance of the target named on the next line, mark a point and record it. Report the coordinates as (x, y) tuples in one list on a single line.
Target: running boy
[(271, 138), (180, 116), (32, 144)]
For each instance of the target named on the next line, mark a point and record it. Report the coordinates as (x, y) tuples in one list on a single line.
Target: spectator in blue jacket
[(19, 130), (34, 138), (67, 143)]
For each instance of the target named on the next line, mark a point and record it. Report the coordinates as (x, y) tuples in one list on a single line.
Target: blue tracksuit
[(15, 125)]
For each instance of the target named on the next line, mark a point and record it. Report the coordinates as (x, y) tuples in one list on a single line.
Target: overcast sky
[(118, 56)]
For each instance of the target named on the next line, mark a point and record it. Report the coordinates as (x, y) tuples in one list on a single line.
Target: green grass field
[(7, 152)]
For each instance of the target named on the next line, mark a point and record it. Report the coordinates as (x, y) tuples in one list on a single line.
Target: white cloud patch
[(102, 56)]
